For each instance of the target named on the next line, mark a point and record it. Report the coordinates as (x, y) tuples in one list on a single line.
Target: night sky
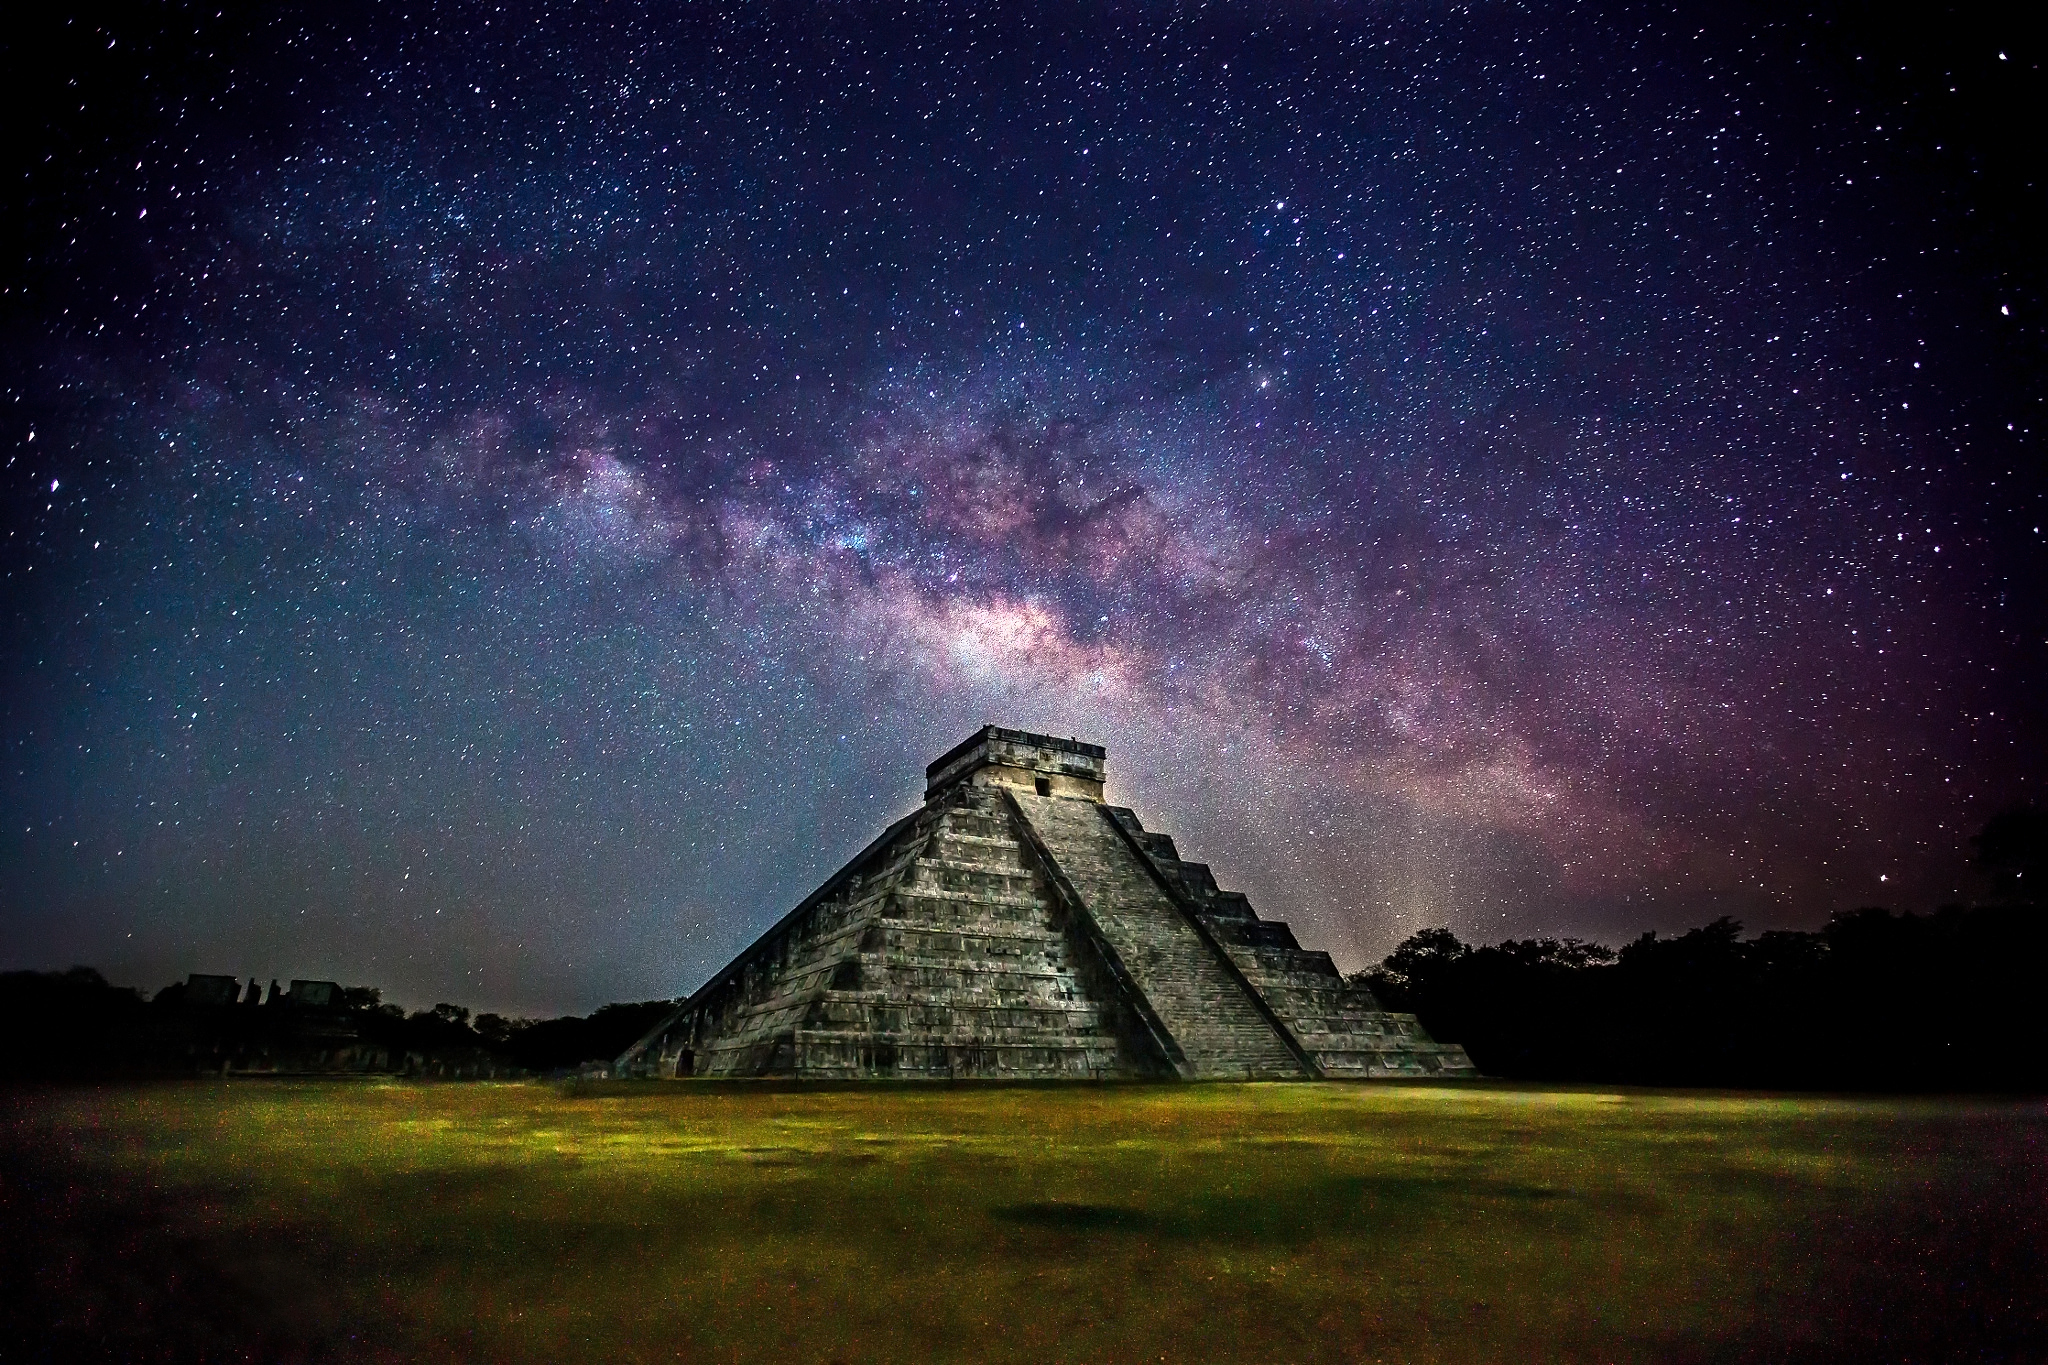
[(499, 502)]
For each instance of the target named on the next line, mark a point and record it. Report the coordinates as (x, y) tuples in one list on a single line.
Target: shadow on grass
[(1079, 1217), (1292, 1213)]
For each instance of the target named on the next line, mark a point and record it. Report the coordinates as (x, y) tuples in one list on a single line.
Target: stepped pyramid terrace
[(1017, 926)]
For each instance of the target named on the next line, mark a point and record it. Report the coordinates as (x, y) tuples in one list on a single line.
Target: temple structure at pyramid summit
[(1016, 925)]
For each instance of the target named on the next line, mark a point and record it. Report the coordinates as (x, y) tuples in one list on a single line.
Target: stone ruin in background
[(1018, 926)]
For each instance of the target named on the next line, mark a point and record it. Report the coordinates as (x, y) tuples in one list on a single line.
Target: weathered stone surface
[(1015, 926), (1206, 1007), (1340, 1026)]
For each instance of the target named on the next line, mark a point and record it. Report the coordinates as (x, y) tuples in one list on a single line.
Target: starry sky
[(501, 500)]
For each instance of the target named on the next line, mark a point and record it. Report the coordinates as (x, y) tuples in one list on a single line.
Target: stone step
[(976, 850), (1409, 1059), (1013, 883), (966, 981), (1009, 955), (830, 1055), (993, 1020), (1321, 1032), (1332, 1018), (1195, 877), (994, 1028), (938, 902), (1307, 984), (1017, 1044), (1288, 1003), (1303, 962), (894, 992), (1017, 931), (960, 980), (1257, 937), (1340, 1038), (975, 824), (925, 1037)]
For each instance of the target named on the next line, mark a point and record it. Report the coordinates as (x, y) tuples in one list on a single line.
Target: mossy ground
[(685, 1221)]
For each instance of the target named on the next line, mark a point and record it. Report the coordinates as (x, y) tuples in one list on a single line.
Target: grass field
[(352, 1220)]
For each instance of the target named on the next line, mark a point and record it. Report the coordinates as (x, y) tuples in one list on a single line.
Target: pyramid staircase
[(1341, 1026), (1016, 926), (948, 955)]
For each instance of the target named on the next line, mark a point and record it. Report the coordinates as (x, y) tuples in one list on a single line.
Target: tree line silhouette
[(1874, 1000), (76, 1025), (1950, 1000)]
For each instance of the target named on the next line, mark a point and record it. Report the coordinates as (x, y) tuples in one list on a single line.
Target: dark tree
[(73, 1023), (2012, 850), (496, 1029), (1415, 969)]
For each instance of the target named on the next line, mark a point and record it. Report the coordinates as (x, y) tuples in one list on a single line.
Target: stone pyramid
[(1017, 926)]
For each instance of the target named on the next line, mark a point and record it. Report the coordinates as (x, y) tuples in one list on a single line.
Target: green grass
[(1244, 1222)]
